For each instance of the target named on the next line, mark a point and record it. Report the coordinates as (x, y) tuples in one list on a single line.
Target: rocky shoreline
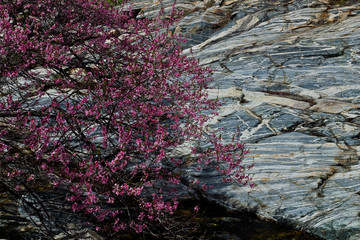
[(290, 73)]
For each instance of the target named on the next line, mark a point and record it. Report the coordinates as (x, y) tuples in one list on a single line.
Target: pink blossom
[(114, 97)]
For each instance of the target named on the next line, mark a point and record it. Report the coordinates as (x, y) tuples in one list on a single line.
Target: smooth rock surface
[(290, 72)]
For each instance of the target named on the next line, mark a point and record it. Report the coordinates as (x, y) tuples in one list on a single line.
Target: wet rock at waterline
[(290, 71)]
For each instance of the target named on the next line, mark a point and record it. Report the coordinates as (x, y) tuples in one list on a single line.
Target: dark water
[(220, 223), (214, 222)]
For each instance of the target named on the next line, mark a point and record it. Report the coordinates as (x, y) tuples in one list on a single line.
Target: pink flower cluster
[(93, 100)]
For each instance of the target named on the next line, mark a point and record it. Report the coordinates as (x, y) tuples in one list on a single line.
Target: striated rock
[(290, 74), (289, 71)]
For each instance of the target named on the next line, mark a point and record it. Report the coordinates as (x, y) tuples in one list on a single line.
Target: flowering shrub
[(95, 102)]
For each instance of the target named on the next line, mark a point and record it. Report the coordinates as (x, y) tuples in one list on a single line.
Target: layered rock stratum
[(290, 72)]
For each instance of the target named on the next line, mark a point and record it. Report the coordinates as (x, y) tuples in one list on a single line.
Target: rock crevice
[(295, 65)]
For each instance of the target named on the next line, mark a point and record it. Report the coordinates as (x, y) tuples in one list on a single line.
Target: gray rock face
[(290, 72), (295, 67)]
